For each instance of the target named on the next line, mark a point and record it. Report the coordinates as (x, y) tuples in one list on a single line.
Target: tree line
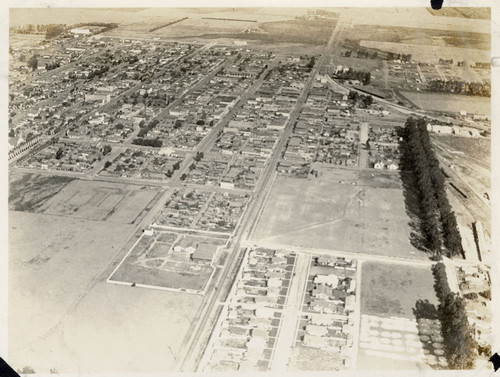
[(148, 142), (460, 87), (459, 343), (352, 74), (438, 224)]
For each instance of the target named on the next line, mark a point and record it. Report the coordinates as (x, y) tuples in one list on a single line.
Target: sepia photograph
[(248, 189)]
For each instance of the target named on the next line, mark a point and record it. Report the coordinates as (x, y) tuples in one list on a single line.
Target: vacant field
[(100, 201), (421, 36), (313, 359), (339, 216), (27, 192), (191, 280), (429, 53), (450, 102), (388, 290), (399, 329), (63, 314), (415, 17)]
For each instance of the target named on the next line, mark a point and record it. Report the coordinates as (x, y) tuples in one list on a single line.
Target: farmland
[(326, 214), (100, 201), (419, 37)]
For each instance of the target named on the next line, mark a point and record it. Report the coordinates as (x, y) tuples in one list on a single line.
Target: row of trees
[(460, 87), (148, 142), (352, 74), (437, 220), (459, 343)]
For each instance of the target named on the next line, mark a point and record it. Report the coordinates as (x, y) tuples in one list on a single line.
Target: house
[(324, 306), (350, 302), (322, 291), (379, 165), (325, 260), (262, 312), (330, 280), (274, 282), (260, 333), (257, 343), (316, 330), (321, 319)]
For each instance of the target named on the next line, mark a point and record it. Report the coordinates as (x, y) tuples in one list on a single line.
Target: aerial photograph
[(249, 190)]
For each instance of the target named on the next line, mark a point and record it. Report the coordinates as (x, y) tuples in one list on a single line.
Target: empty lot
[(27, 192), (61, 306), (91, 200), (326, 214), (396, 333), (450, 103)]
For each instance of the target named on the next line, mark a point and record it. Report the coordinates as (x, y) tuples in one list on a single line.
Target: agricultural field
[(101, 201), (399, 330), (450, 103), (418, 37), (27, 192), (338, 215), (168, 260), (429, 53)]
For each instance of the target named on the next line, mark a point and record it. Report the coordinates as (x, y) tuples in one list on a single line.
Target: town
[(251, 206)]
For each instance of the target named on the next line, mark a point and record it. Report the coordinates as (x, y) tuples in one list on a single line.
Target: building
[(331, 280)]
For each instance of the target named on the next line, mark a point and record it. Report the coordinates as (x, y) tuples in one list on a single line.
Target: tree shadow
[(429, 333)]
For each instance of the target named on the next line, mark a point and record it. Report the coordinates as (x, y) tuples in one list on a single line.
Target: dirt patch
[(92, 200), (28, 192)]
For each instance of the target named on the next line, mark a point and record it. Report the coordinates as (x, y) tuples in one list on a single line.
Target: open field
[(313, 359), (450, 102), (399, 327), (27, 192), (100, 201), (418, 18), (60, 305), (421, 37), (431, 54), (388, 291), (340, 216)]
